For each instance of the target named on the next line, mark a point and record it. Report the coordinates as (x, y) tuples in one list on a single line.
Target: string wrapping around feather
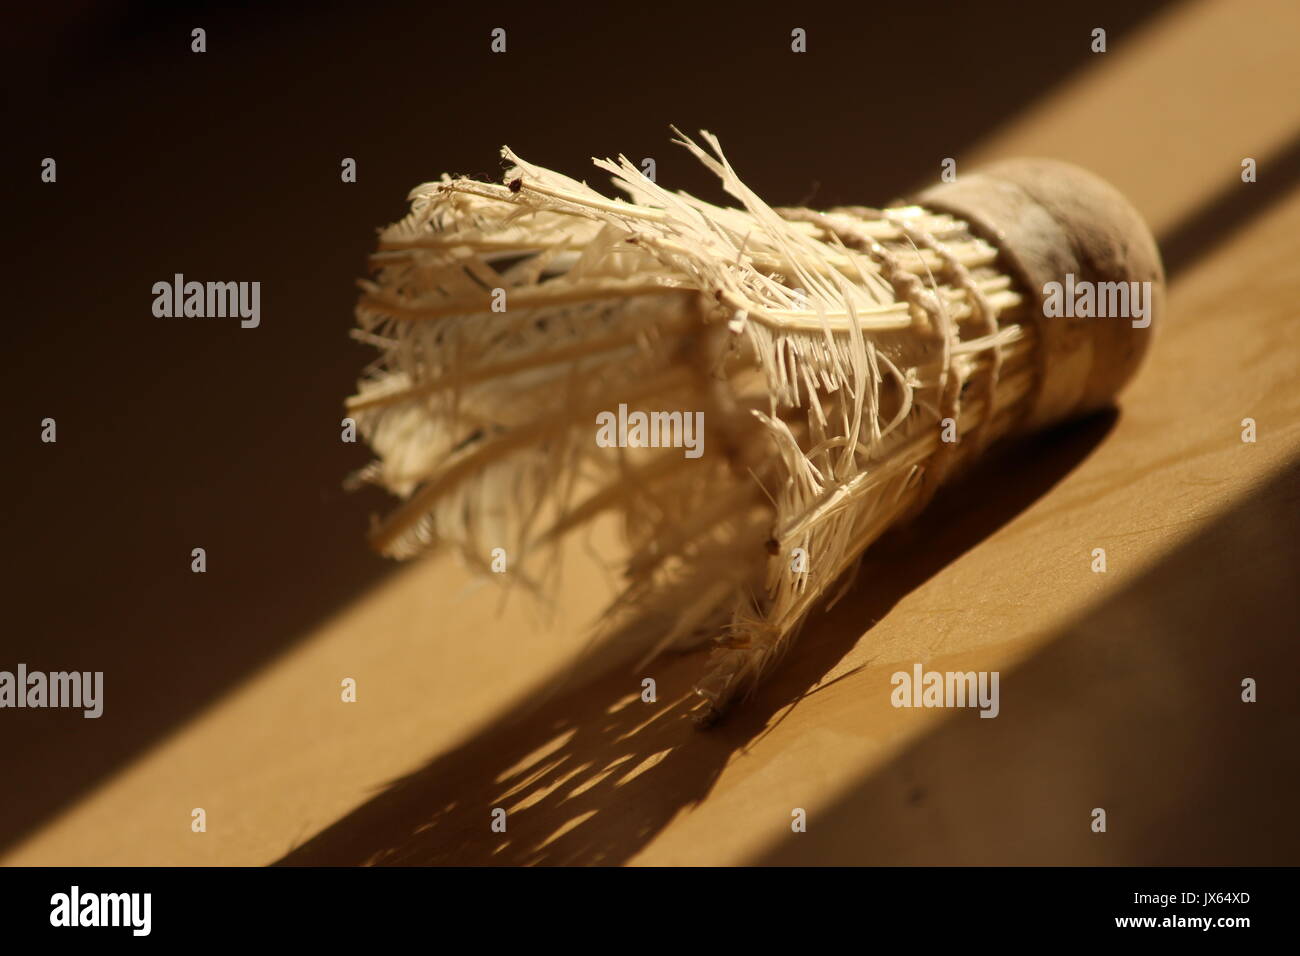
[(845, 363)]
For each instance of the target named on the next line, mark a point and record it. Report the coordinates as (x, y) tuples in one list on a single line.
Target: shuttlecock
[(758, 393)]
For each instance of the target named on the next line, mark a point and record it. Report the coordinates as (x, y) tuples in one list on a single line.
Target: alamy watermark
[(1100, 300), (75, 908), (209, 300), (75, 689), (946, 689), (640, 429)]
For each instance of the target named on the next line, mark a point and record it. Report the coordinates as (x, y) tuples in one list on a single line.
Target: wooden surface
[(1119, 690)]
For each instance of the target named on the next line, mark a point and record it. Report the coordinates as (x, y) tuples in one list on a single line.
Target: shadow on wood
[(1137, 709), (591, 775)]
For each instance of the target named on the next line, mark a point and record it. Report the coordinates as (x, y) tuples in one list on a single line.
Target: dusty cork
[(1051, 219)]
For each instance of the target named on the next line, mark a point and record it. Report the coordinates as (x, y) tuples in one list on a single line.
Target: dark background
[(183, 433)]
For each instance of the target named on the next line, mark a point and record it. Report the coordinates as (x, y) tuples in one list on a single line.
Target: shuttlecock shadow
[(592, 773)]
